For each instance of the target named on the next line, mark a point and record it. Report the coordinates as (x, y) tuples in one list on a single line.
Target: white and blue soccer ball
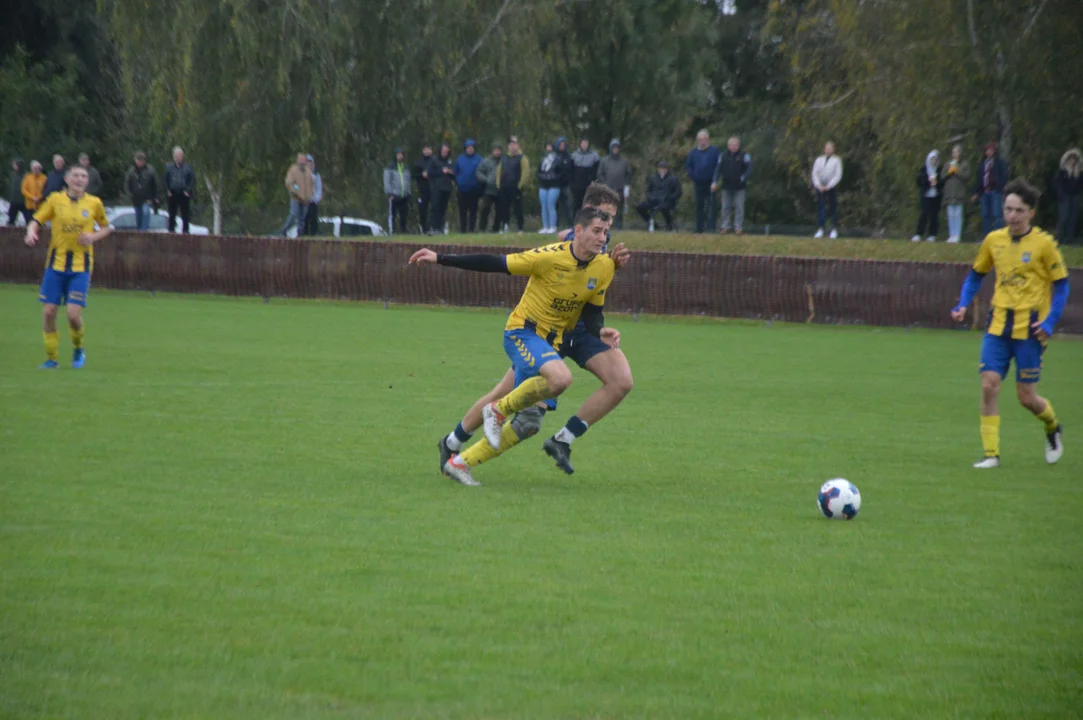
[(839, 499)]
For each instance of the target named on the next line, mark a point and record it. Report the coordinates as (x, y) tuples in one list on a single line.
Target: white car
[(337, 226), (123, 218)]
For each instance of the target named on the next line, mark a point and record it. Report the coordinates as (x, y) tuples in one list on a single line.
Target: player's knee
[(622, 384), (527, 423), (50, 312), (990, 384), (1028, 396), (560, 379), (75, 313)]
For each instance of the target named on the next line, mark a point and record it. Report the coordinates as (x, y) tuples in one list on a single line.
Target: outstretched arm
[(480, 262)]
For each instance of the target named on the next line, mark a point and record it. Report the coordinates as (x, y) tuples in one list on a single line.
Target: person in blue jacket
[(466, 177)]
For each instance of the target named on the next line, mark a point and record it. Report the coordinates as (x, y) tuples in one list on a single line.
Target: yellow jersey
[(1026, 269), (71, 218), (560, 285)]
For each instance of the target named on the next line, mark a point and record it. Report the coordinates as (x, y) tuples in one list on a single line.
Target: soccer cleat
[(834, 234), (1054, 446), (459, 471), (493, 424), (445, 453), (931, 238), (49, 365), (989, 462), (78, 358), (916, 238), (819, 234), (561, 452)]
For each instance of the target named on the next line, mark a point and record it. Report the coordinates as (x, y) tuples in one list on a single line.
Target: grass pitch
[(235, 512)]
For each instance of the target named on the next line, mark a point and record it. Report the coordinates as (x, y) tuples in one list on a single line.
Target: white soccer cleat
[(819, 234), (916, 238), (834, 234), (1054, 446), (931, 238), (989, 462), (459, 471), (953, 239), (493, 422)]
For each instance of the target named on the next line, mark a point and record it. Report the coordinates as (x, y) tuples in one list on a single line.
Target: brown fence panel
[(791, 289)]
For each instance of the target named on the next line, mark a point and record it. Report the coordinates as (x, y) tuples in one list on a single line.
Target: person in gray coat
[(488, 188), (613, 172), (397, 189)]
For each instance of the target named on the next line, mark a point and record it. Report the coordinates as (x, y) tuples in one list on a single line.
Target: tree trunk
[(215, 191)]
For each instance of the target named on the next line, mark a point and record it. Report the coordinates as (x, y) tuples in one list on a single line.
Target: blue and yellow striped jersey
[(560, 285), (71, 218), (1026, 268)]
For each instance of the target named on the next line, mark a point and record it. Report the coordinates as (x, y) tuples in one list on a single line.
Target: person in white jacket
[(826, 174)]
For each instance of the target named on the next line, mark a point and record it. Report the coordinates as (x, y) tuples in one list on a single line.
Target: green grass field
[(235, 512)]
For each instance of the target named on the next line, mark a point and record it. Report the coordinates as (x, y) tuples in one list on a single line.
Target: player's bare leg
[(990, 420), (454, 441), (1043, 410), (75, 325), (612, 368), (48, 329)]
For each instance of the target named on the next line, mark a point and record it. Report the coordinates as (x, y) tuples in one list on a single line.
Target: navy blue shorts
[(580, 346), (997, 354), (58, 287)]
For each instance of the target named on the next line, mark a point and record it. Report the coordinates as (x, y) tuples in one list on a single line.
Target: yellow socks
[(1049, 417), (77, 336), (990, 435), (482, 452), (529, 392), (52, 345)]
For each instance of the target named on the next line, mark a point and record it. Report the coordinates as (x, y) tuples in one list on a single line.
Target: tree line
[(242, 85)]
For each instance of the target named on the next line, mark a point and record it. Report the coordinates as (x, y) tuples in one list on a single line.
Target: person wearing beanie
[(421, 177), (397, 189), (466, 169), (441, 185), (487, 187), (613, 172)]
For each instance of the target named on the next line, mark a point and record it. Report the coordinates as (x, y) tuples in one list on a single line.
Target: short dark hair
[(599, 194), (140, 155), (587, 215), (1029, 194)]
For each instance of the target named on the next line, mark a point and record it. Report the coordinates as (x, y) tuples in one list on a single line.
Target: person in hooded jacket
[(548, 177), (1068, 185), (584, 171), (441, 185), (466, 170), (488, 189), (424, 192), (397, 189), (930, 184)]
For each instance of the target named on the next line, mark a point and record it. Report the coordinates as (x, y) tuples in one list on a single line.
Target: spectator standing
[(466, 179), (826, 176), (487, 187), (94, 181), (701, 166), (180, 185), (991, 177), (663, 192), (956, 180), (299, 187), (930, 191), (421, 177), (15, 192), (441, 184), (613, 173), (55, 181), (565, 168), (731, 176), (584, 172), (312, 215), (548, 177), (1068, 185), (33, 190), (397, 189), (141, 183), (512, 178)]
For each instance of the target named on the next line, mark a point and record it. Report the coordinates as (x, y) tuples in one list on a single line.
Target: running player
[(1031, 292), (70, 261)]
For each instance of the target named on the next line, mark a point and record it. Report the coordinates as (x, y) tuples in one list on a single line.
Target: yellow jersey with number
[(560, 285), (1026, 268), (71, 218)]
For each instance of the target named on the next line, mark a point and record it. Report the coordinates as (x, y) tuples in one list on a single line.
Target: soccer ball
[(839, 499)]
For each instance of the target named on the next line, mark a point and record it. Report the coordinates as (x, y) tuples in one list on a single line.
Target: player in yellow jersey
[(1031, 292), (567, 280), (70, 259)]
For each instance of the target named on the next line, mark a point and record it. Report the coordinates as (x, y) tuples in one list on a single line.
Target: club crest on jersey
[(1026, 257), (592, 283), (86, 213)]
